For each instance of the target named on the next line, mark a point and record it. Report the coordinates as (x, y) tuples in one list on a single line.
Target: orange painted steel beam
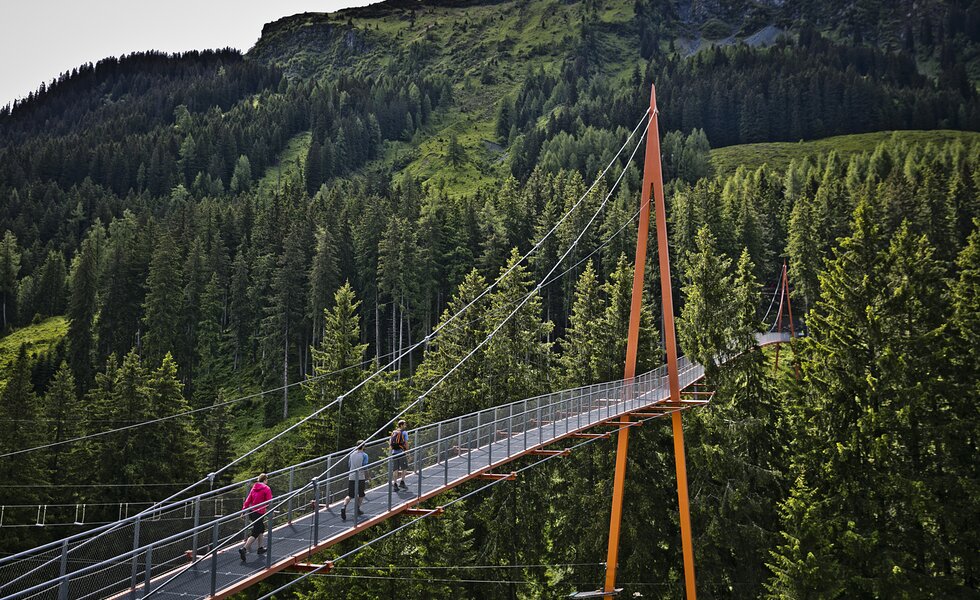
[(590, 436), (651, 171), (304, 567), (620, 424), (540, 452), (673, 377), (423, 512), (498, 476), (653, 185)]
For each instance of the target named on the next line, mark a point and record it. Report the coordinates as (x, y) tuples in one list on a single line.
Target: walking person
[(257, 502), (398, 443), (357, 480)]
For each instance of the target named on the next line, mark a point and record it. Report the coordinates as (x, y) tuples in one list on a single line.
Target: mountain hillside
[(203, 250)]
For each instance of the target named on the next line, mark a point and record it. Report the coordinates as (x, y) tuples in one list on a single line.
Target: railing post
[(268, 536), (491, 438), (391, 482), (459, 433), (554, 414), (524, 424), (469, 454), (136, 557), (327, 475), (149, 570), (197, 523), (510, 425), (537, 422), (63, 586), (419, 464), (214, 557), (316, 509), (439, 454), (479, 416), (289, 502)]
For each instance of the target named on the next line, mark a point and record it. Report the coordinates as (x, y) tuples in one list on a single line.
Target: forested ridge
[(213, 224)]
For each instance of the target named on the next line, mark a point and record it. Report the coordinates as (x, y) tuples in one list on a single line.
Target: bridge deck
[(296, 541)]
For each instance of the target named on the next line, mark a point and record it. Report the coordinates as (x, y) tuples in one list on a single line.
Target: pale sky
[(39, 39)]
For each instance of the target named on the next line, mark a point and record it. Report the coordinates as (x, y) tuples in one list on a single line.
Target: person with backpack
[(258, 502), (398, 444), (357, 480)]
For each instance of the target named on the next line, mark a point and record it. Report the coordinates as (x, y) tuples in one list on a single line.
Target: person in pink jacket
[(258, 502)]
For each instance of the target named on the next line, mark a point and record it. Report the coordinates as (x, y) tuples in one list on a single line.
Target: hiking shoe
[(394, 487), (343, 513), (241, 552), (261, 550), (404, 487), (360, 513)]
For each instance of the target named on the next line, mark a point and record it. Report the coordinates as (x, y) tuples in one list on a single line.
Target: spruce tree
[(582, 339), (518, 357), (64, 417), (170, 449), (19, 412), (162, 307), (9, 270), (462, 391), (210, 355), (804, 253), (324, 280), (337, 367), (82, 307), (705, 324)]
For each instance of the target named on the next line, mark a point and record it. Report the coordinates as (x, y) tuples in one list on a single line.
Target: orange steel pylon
[(652, 186)]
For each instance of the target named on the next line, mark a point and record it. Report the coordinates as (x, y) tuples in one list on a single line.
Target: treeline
[(210, 125), (736, 94)]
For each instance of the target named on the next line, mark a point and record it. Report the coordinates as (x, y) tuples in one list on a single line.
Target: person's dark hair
[(401, 423)]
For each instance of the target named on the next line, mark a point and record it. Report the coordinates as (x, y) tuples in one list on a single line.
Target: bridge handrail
[(231, 486), (284, 499)]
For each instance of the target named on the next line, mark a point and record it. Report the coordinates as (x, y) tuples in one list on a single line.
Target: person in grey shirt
[(356, 480)]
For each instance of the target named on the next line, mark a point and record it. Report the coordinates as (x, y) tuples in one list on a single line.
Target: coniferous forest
[(186, 238)]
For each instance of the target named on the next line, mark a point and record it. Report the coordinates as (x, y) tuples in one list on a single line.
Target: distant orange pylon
[(784, 282)]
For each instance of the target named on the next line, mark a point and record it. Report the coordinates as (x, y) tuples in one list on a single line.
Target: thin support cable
[(774, 290), (521, 304)]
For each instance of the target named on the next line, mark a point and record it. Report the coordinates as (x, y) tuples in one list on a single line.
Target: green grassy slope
[(290, 163), (484, 50), (779, 154), (38, 339)]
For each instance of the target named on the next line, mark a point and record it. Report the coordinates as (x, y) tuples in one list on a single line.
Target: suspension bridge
[(187, 545)]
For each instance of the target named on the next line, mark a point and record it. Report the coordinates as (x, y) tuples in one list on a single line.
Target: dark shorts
[(258, 524), (400, 461), (351, 485)]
